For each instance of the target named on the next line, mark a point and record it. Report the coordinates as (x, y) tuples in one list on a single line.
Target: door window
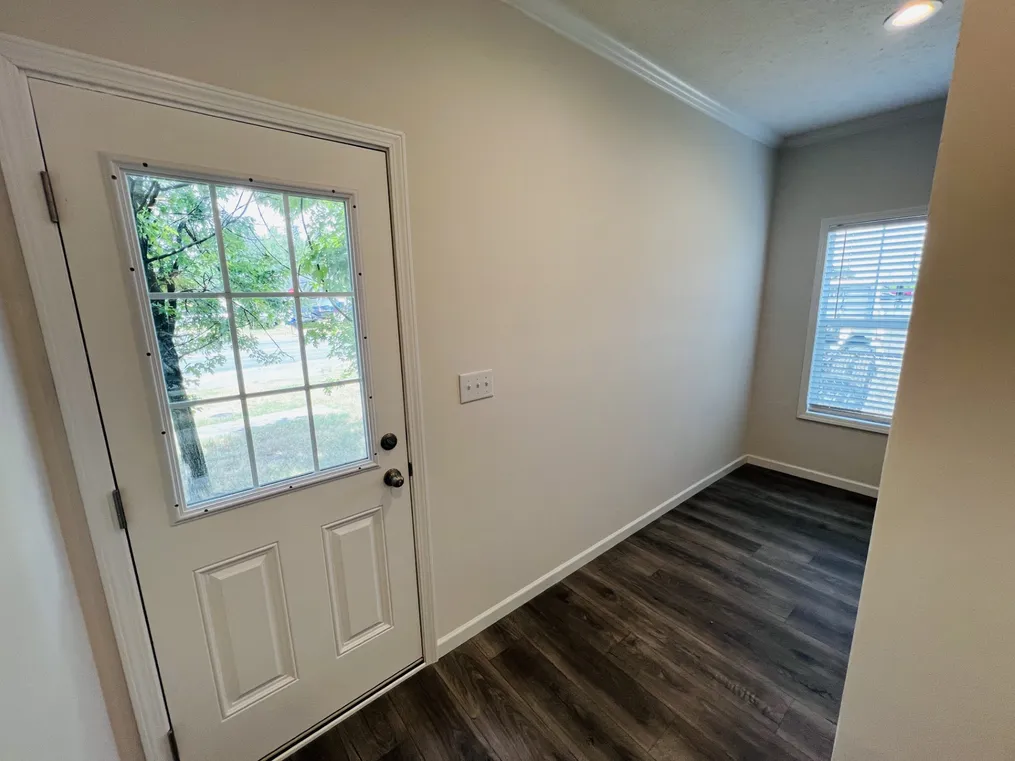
[(253, 323)]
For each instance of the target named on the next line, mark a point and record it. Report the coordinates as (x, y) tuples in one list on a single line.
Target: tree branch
[(253, 316), (179, 250)]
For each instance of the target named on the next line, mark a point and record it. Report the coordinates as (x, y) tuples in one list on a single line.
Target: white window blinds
[(866, 298)]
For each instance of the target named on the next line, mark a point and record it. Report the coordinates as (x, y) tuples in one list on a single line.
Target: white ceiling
[(790, 65)]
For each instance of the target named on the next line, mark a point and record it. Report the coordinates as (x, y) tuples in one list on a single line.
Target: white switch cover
[(473, 386)]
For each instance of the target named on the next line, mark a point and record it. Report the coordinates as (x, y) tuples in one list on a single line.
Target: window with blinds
[(865, 301)]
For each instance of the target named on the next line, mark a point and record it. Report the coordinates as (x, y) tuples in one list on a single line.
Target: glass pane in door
[(254, 318)]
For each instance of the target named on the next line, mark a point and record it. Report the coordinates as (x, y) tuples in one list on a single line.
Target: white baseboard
[(469, 629), (814, 475)]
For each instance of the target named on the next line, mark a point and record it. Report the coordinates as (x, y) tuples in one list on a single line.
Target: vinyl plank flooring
[(332, 746), (810, 732), (614, 603), (629, 556), (794, 662), (590, 732), (714, 668), (809, 493), (792, 557), (706, 725), (568, 614), (784, 566), (825, 623), (441, 729), (493, 640), (639, 712), (740, 738), (821, 518), (704, 511), (507, 723), (718, 534), (751, 626), (781, 556), (818, 524), (808, 579), (843, 568), (405, 751), (674, 746), (721, 631), (722, 575), (706, 720), (693, 597), (375, 730), (676, 685), (713, 727)]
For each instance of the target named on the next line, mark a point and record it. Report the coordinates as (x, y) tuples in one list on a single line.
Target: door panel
[(247, 626), (356, 553), (284, 586)]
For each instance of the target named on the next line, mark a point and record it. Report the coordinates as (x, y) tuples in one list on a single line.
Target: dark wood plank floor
[(721, 631)]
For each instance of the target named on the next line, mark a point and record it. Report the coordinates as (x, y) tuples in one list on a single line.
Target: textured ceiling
[(792, 65)]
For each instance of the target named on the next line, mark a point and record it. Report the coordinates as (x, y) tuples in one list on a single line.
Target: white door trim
[(21, 161)]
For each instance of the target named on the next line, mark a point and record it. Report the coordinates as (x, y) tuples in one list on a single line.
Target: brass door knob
[(394, 478)]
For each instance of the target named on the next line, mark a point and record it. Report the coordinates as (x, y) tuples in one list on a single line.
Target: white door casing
[(260, 562)]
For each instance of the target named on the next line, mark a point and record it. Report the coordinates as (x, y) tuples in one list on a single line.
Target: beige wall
[(51, 701), (595, 242), (932, 672), (878, 170)]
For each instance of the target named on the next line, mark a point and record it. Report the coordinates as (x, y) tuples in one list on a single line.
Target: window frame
[(156, 386), (803, 413)]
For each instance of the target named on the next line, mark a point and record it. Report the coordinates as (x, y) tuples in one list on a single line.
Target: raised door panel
[(247, 627), (356, 554)]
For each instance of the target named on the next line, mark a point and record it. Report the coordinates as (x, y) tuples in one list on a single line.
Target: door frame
[(21, 161)]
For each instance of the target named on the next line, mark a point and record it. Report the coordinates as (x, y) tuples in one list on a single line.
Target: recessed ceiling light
[(912, 13)]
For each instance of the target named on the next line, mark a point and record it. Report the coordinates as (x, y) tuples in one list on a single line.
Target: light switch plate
[(474, 386)]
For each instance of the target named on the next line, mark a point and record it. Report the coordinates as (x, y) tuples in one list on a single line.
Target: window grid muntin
[(258, 394), (163, 296), (231, 313), (294, 275)]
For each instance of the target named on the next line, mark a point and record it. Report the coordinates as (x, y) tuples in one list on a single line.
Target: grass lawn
[(282, 450)]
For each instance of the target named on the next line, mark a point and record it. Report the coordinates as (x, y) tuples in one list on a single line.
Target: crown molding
[(562, 20), (929, 109)]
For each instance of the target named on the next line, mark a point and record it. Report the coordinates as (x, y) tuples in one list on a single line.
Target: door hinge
[(121, 516), (410, 470), (47, 189), (174, 749)]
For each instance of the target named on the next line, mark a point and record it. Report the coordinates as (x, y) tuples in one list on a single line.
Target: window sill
[(845, 422)]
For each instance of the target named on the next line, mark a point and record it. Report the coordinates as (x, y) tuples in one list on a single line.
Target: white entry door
[(235, 286)]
